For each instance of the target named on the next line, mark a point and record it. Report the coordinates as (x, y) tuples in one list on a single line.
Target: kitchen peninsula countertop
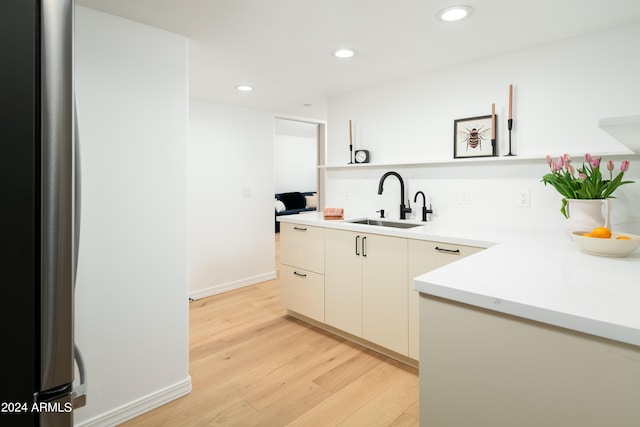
[(541, 276)]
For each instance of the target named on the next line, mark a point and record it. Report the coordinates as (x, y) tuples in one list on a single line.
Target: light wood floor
[(252, 365)]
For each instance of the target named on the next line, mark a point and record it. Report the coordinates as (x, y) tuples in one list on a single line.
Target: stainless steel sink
[(380, 223)]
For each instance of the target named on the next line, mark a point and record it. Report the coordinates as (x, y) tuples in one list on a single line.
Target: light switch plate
[(464, 196)]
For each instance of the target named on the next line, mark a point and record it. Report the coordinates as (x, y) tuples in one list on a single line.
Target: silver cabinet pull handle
[(364, 246), (300, 228), (299, 274), (357, 244), (451, 251)]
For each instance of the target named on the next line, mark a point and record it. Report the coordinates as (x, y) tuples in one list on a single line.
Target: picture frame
[(472, 137)]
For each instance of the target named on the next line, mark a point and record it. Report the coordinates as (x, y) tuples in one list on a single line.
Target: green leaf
[(563, 209)]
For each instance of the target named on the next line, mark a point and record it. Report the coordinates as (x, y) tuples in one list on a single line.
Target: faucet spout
[(403, 209), (425, 211), (397, 175)]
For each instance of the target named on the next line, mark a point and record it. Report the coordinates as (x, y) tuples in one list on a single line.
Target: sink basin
[(380, 223)]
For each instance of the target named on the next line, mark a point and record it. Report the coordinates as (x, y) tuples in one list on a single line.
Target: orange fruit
[(623, 238), (587, 235), (601, 232)]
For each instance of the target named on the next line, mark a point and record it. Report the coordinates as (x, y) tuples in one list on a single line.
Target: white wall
[(561, 92), (132, 296), (295, 163), (231, 213)]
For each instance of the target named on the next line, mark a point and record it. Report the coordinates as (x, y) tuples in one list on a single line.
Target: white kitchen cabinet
[(424, 256), (364, 287), (384, 296), (302, 270), (343, 281), (360, 283), (302, 291), (302, 246)]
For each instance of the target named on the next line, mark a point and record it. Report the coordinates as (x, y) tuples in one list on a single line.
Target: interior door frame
[(321, 156)]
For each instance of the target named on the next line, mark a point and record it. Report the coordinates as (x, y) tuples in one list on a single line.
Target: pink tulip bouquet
[(586, 182)]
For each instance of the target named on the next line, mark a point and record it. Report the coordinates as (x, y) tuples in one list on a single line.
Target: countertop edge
[(589, 326), (420, 232)]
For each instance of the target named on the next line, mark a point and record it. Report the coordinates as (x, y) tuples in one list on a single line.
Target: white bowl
[(607, 247)]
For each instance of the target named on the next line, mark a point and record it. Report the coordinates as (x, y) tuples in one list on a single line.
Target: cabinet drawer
[(302, 246), (447, 253), (302, 291)]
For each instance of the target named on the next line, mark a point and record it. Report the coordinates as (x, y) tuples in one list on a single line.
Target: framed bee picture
[(475, 137)]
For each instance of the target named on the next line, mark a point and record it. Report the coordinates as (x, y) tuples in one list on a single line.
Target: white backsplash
[(492, 192)]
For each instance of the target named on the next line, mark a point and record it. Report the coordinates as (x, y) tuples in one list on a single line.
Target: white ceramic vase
[(587, 214)]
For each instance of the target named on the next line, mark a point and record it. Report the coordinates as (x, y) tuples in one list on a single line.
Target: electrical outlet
[(523, 198)]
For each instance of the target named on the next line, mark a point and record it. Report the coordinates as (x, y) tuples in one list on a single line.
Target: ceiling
[(283, 48)]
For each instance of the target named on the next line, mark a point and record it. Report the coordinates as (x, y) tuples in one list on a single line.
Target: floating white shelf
[(463, 161), (432, 162), (624, 129)]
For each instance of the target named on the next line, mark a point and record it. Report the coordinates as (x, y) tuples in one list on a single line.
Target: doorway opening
[(298, 151)]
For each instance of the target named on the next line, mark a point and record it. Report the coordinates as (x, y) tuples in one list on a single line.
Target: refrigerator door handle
[(56, 194)]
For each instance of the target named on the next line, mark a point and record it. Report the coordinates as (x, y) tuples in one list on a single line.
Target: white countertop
[(462, 234), (537, 276)]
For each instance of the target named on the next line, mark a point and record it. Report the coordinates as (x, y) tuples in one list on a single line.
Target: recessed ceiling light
[(344, 53), (244, 88), (454, 13)]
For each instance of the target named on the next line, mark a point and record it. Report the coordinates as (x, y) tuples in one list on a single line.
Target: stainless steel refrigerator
[(38, 218)]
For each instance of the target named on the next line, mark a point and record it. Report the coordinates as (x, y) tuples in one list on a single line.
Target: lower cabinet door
[(302, 291), (425, 256), (343, 280), (384, 292)]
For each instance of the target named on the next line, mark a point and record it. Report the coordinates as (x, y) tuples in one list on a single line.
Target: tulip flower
[(589, 184), (610, 167), (624, 166)]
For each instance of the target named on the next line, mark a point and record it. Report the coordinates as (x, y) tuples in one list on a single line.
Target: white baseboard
[(140, 406), (224, 287)]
